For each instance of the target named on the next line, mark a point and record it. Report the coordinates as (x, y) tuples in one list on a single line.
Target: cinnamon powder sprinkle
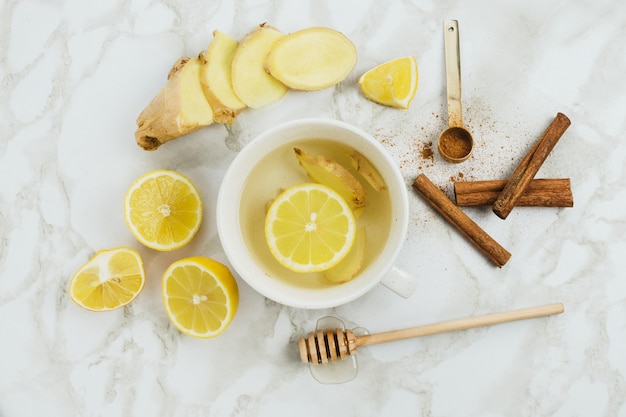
[(427, 151)]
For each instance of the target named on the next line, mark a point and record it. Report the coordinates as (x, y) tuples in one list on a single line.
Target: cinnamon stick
[(528, 168), (485, 243), (545, 192)]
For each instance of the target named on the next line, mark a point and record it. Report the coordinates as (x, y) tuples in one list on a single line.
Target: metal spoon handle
[(453, 72)]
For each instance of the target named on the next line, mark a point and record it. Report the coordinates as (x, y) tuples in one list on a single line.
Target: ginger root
[(367, 170), (231, 76), (252, 84), (216, 80), (179, 108), (312, 59), (349, 266)]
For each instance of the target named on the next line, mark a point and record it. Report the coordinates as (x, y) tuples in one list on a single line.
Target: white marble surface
[(76, 74)]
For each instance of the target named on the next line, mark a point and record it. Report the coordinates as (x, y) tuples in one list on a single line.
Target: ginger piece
[(334, 175), (312, 59), (251, 83), (349, 266), (215, 77), (179, 108), (364, 167)]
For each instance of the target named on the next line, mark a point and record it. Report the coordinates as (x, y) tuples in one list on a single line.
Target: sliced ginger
[(179, 108), (231, 76), (252, 84), (364, 167), (215, 77), (349, 266), (334, 175), (312, 59)]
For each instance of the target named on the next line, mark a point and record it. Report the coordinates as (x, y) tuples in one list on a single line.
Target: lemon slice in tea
[(309, 228)]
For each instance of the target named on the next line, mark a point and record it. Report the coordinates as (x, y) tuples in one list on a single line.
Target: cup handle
[(400, 282)]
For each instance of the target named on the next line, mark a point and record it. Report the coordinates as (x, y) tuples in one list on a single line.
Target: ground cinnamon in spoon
[(455, 144)]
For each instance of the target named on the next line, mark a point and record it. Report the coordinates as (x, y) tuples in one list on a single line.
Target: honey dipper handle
[(461, 324)]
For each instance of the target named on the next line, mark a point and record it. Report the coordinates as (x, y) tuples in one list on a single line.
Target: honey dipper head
[(326, 345)]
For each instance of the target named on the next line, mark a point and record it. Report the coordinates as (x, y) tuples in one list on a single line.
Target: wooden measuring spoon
[(455, 144), (330, 345)]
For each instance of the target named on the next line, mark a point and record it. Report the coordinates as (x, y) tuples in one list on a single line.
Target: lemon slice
[(392, 83), (309, 228), (200, 296), (163, 210), (111, 279)]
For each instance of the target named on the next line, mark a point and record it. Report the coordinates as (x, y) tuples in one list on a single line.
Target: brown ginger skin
[(178, 108)]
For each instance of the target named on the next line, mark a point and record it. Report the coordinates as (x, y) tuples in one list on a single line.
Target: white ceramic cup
[(236, 245)]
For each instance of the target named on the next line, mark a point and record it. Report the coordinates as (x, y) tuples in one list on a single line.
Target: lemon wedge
[(392, 83)]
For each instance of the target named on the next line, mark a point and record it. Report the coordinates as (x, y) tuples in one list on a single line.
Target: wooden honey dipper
[(329, 345)]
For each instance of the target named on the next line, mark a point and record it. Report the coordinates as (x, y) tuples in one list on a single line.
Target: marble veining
[(74, 77)]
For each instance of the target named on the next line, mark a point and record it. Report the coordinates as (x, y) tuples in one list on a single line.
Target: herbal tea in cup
[(287, 158)]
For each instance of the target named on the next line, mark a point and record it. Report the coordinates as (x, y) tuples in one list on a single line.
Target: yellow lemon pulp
[(200, 296), (111, 279), (309, 228), (392, 83), (163, 210)]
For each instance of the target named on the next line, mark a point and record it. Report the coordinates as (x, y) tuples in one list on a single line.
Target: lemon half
[(200, 296), (112, 278), (163, 210)]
